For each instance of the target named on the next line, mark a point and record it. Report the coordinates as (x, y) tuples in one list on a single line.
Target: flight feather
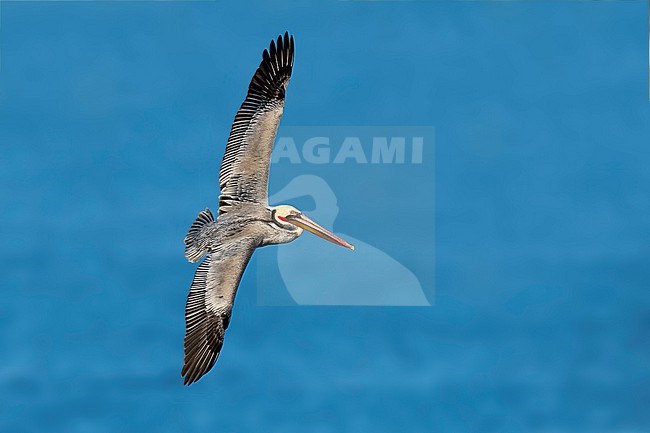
[(244, 169)]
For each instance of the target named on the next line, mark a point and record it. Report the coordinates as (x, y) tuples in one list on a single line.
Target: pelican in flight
[(245, 220)]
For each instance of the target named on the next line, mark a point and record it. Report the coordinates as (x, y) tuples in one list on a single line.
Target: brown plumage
[(245, 220), (230, 241)]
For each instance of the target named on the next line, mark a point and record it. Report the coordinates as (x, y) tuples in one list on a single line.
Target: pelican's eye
[(294, 213)]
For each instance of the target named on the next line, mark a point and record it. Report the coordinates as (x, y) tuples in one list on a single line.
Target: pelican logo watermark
[(372, 186)]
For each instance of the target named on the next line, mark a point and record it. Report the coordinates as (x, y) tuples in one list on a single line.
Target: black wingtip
[(272, 76), (187, 381)]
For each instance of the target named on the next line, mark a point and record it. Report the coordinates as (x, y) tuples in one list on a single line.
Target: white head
[(281, 212)]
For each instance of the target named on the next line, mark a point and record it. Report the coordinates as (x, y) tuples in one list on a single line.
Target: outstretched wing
[(244, 173), (209, 305)]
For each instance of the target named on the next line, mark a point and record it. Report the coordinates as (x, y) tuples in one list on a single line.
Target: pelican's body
[(245, 220), (248, 224)]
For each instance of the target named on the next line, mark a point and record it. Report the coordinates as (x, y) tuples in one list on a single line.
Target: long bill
[(300, 220)]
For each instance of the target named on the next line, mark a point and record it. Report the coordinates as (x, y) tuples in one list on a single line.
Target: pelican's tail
[(194, 248)]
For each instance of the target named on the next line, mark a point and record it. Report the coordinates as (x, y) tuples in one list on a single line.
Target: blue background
[(113, 117)]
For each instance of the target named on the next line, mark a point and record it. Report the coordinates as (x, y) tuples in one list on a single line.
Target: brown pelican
[(245, 221)]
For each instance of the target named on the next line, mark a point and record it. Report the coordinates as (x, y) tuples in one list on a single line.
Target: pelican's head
[(290, 218)]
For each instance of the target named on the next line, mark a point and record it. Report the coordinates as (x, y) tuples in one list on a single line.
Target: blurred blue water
[(114, 115)]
